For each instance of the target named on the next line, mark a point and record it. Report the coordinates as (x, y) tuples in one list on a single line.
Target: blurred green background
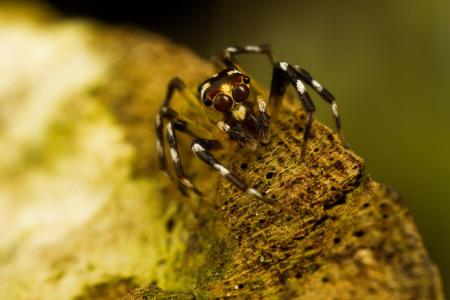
[(387, 62)]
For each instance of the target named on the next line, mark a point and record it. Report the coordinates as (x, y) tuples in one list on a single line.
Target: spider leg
[(174, 124), (200, 148), (165, 112), (183, 181), (326, 95), (284, 74), (227, 55)]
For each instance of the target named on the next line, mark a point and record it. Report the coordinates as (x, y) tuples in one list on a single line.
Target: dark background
[(387, 62)]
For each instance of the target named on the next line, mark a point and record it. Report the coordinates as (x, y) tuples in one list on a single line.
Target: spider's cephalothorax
[(242, 110), (228, 92)]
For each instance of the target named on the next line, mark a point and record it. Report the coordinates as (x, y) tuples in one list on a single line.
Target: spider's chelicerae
[(235, 103)]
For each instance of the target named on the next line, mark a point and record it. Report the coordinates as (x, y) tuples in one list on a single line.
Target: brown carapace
[(244, 114)]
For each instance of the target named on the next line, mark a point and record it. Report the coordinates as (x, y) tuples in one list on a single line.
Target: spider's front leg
[(325, 95), (200, 148), (284, 74)]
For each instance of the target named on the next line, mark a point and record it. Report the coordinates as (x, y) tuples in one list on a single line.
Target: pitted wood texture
[(338, 235)]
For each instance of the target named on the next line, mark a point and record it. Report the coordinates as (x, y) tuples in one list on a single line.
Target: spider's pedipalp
[(263, 121)]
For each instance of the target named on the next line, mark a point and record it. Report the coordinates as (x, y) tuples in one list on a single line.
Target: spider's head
[(225, 90)]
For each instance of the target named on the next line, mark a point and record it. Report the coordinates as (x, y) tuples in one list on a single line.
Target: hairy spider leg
[(284, 74), (200, 148), (326, 95)]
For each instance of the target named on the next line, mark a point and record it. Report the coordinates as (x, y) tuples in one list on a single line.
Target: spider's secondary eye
[(223, 103), (207, 102), (246, 79), (240, 93)]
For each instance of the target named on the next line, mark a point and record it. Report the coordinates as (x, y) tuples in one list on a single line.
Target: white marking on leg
[(253, 48), (222, 170), (159, 147), (223, 126), (300, 87), (334, 109), (261, 105), (197, 148), (169, 129), (231, 49), (174, 155), (186, 182), (283, 65), (233, 71), (254, 192), (317, 85)]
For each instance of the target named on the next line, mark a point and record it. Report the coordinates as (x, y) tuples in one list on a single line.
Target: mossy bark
[(334, 233)]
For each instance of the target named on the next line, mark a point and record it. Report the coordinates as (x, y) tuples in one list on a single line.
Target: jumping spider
[(242, 112)]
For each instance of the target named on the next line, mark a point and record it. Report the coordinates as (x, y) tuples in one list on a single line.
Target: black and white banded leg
[(227, 55), (174, 124), (183, 181), (200, 148), (166, 113), (326, 95), (284, 74)]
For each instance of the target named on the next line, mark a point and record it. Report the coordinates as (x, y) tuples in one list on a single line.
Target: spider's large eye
[(240, 93), (223, 102)]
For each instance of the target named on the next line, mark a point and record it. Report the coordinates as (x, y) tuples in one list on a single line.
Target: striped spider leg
[(285, 74), (200, 146)]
